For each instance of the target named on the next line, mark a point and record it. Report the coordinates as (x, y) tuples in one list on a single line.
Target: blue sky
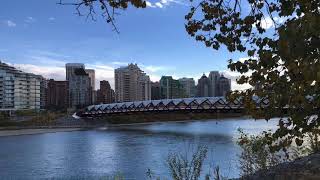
[(40, 36)]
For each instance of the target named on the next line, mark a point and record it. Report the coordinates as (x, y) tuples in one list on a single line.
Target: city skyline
[(49, 41), (22, 90), (110, 77)]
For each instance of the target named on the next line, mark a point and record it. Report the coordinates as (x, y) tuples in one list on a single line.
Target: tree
[(283, 62), (108, 8)]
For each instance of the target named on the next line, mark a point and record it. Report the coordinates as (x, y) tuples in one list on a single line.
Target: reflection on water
[(130, 150)]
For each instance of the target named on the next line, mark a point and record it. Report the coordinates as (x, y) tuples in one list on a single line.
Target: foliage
[(25, 112), (182, 168), (4, 116), (39, 119), (255, 154), (283, 62), (314, 141)]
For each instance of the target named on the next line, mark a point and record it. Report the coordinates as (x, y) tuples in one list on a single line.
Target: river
[(128, 150)]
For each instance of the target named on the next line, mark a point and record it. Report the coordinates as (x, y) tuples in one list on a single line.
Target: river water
[(128, 150)]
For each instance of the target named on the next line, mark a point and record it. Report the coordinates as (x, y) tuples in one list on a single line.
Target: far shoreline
[(25, 131), (16, 130)]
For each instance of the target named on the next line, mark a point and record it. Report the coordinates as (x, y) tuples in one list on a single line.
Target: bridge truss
[(211, 104)]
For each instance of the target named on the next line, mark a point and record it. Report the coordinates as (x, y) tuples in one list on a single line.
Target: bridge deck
[(183, 104)]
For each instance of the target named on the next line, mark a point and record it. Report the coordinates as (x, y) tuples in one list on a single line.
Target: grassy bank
[(34, 119)]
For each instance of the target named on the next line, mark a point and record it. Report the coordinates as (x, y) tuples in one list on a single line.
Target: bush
[(255, 154), (184, 167), (258, 154)]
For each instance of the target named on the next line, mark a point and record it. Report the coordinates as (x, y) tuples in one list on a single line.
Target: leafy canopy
[(283, 61)]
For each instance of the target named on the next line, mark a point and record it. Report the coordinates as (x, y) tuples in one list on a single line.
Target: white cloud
[(154, 77), (106, 72), (119, 63), (149, 4), (153, 69), (234, 76), (267, 22), (45, 60), (49, 72), (52, 19), (102, 72), (10, 23), (30, 19), (159, 5), (163, 3)]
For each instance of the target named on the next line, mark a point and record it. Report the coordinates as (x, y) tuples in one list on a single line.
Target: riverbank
[(18, 132), (307, 167)]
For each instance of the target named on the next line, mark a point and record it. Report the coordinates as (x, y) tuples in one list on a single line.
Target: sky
[(41, 36)]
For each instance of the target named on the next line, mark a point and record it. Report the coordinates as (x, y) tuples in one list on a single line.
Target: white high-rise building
[(131, 84), (144, 87), (20, 90)]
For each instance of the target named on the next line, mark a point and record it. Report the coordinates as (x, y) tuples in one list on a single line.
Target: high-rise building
[(214, 77), (94, 96), (131, 84), (224, 86), (105, 94), (155, 91), (215, 85), (20, 90), (71, 67), (189, 86), (203, 87), (58, 94), (144, 87), (43, 92), (171, 88), (92, 76), (79, 85)]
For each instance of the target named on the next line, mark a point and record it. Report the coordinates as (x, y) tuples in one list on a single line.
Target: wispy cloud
[(153, 69), (164, 3), (51, 65), (49, 72), (30, 19), (119, 63), (234, 76), (10, 23), (149, 4), (51, 18), (159, 5)]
